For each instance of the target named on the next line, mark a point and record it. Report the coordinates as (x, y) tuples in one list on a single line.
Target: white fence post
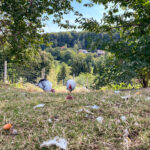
[(73, 76), (43, 73), (5, 71)]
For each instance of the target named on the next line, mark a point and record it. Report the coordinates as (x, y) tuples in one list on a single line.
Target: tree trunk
[(145, 83)]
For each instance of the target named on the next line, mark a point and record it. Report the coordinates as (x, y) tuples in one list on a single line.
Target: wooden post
[(43, 73), (87, 84), (5, 71), (73, 76)]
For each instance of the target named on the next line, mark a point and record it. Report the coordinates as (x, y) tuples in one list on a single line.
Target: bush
[(85, 79)]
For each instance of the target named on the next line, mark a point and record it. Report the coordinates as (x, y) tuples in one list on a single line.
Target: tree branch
[(129, 25)]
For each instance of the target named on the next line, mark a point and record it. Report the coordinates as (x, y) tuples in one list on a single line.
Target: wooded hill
[(84, 40)]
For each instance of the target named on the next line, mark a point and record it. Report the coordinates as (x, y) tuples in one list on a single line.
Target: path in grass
[(81, 130)]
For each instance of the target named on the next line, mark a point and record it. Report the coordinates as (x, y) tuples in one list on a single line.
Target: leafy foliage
[(79, 64), (64, 72), (85, 79), (135, 17), (133, 24), (21, 22), (110, 71), (77, 40), (30, 68)]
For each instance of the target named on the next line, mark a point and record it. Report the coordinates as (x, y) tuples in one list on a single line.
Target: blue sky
[(96, 12)]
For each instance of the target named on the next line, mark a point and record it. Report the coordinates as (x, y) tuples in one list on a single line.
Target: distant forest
[(83, 40)]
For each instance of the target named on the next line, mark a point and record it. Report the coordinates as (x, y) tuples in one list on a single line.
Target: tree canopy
[(21, 21), (131, 15), (21, 25), (132, 20)]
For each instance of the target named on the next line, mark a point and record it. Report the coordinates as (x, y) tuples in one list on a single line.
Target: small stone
[(125, 97), (86, 115), (136, 124), (38, 106), (117, 92), (118, 121), (103, 100), (126, 133), (123, 118), (14, 132), (147, 99), (50, 120), (99, 119), (93, 107)]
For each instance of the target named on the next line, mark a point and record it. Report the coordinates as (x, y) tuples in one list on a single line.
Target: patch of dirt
[(133, 134)]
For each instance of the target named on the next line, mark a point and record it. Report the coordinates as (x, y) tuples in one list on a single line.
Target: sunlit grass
[(81, 132)]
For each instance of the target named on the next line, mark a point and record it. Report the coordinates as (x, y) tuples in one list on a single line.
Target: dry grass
[(81, 132), (28, 87)]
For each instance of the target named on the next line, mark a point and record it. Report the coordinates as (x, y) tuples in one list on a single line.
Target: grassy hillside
[(80, 129)]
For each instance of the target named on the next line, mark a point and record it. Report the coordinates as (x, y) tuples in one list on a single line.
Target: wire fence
[(1, 70), (13, 73)]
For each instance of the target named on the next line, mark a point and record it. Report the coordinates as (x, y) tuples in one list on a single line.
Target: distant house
[(100, 52), (62, 47), (83, 51)]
